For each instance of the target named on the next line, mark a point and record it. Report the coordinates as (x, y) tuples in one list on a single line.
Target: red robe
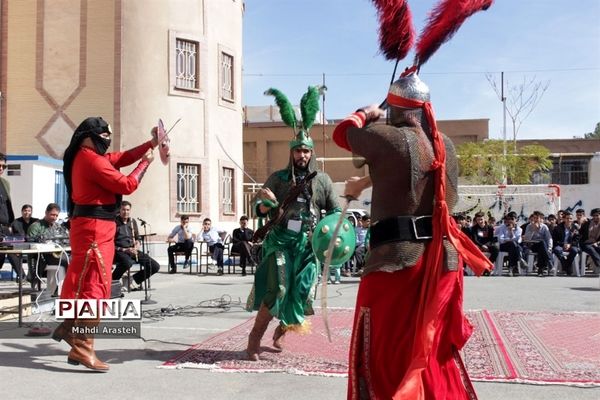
[(96, 180), (409, 324)]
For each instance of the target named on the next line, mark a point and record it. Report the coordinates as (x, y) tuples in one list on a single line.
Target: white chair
[(499, 264), (576, 266), (530, 262)]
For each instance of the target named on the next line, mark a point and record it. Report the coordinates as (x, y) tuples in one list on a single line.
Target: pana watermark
[(104, 309)]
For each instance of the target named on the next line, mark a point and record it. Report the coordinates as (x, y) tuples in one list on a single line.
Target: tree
[(483, 163), (521, 99), (595, 134)]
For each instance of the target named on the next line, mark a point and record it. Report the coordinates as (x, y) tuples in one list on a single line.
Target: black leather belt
[(402, 228), (103, 211)]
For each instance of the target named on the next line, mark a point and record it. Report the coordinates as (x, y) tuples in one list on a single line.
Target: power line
[(424, 73)]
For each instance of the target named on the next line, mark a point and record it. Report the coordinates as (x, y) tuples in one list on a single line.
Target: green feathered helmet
[(309, 107)]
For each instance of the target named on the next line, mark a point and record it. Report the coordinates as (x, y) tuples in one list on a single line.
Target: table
[(21, 252)]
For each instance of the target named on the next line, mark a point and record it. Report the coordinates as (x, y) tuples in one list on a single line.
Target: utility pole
[(323, 120), (503, 99)]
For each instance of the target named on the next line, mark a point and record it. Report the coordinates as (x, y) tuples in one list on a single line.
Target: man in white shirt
[(509, 237), (183, 243), (212, 237)]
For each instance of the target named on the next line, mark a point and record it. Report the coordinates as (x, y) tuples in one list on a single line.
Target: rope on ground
[(211, 306)]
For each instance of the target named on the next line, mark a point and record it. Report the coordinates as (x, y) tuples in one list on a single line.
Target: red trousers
[(384, 332), (92, 252)]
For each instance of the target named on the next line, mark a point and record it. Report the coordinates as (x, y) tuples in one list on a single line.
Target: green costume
[(285, 280)]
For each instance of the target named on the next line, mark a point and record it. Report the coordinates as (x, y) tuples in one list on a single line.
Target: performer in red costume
[(95, 187), (409, 324)]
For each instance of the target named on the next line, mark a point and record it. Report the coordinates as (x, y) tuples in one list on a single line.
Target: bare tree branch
[(521, 98)]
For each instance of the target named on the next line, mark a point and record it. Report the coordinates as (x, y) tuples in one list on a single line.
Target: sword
[(327, 264), (233, 161)]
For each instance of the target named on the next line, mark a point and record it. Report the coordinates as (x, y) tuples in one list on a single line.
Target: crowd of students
[(564, 236)]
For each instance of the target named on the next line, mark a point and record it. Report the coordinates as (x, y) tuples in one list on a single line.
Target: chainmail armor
[(389, 148)]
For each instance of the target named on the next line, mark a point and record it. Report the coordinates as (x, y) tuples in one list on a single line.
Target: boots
[(278, 337), (260, 326), (64, 331), (82, 351)]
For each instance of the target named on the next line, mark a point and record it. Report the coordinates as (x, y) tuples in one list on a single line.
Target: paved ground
[(37, 368)]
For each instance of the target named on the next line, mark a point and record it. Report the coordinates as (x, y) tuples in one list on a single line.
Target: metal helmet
[(408, 87), (302, 140), (345, 243)]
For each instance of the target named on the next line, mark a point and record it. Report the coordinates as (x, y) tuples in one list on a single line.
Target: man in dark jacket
[(242, 242), (565, 237)]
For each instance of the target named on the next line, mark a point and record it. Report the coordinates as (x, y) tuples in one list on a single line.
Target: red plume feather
[(396, 32), (442, 24)]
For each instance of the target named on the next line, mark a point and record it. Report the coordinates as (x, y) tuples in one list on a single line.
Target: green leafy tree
[(483, 163), (595, 134)]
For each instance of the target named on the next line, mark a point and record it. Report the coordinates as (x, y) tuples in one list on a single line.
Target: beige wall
[(147, 94), (266, 146), (57, 68), (64, 60)]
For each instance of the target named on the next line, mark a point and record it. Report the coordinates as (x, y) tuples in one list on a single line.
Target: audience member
[(552, 222), (580, 217), (566, 240), (21, 225), (590, 237), (127, 250), (184, 243), (483, 235), (242, 242), (212, 237), (526, 224), (537, 239), (509, 239), (45, 230), (362, 243), (7, 217)]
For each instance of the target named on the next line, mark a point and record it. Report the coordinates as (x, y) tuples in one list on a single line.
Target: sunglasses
[(3, 166)]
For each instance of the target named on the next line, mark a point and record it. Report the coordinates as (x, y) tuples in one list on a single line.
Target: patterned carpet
[(520, 347)]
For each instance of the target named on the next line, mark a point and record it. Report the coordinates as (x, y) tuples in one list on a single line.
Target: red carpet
[(521, 347)]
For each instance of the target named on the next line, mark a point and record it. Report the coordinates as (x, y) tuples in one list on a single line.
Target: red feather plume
[(443, 22), (396, 32)]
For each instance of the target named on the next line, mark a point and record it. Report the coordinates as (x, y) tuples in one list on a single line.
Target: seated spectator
[(580, 217), (491, 221), (242, 242), (212, 237), (509, 239), (526, 224), (19, 228), (461, 220), (590, 237), (551, 221), (184, 243), (21, 225), (127, 249), (46, 230), (362, 243), (565, 237), (537, 239), (483, 236)]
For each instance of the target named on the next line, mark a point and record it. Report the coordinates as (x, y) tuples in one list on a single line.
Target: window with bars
[(227, 77), (186, 64), (60, 190), (227, 190), (188, 188), (570, 171)]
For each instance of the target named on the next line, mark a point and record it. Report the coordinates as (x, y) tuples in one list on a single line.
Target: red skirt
[(385, 327), (92, 251)]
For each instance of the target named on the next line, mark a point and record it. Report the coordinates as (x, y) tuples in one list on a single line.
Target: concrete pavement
[(34, 368)]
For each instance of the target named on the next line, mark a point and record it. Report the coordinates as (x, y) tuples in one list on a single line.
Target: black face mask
[(100, 143)]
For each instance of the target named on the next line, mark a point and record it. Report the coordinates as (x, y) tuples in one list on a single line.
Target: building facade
[(131, 62)]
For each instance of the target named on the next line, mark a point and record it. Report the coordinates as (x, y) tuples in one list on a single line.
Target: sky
[(290, 44)]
